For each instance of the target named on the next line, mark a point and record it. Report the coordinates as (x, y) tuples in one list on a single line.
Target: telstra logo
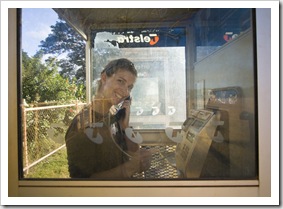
[(152, 39)]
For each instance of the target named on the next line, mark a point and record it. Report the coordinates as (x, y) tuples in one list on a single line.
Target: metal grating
[(162, 165)]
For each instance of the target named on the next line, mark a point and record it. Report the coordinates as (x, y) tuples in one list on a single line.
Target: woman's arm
[(124, 123)]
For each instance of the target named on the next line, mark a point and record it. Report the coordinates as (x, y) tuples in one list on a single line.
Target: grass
[(55, 166)]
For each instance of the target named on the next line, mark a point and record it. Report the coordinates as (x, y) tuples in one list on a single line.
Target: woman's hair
[(112, 67), (118, 64)]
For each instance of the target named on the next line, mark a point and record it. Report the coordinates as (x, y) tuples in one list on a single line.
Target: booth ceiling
[(85, 19)]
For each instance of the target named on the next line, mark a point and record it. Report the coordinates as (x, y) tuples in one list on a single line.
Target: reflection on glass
[(190, 107)]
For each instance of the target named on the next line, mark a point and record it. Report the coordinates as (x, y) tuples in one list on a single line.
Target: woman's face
[(117, 87)]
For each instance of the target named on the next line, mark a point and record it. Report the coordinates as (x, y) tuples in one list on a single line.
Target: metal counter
[(163, 164)]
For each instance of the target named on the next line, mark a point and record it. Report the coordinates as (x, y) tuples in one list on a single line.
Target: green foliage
[(46, 129), (40, 147), (42, 82), (55, 166), (63, 40)]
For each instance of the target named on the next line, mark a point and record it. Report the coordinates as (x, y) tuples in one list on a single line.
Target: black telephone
[(121, 112)]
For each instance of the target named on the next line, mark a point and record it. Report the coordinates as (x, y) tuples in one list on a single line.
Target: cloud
[(39, 33), (36, 27), (31, 37)]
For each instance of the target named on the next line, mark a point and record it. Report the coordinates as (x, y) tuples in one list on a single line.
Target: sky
[(36, 24)]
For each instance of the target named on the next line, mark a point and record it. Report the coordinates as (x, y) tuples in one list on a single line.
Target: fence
[(43, 131)]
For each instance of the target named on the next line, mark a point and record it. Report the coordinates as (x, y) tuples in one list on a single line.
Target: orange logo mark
[(154, 40)]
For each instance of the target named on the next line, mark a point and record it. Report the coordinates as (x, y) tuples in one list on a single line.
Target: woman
[(97, 146)]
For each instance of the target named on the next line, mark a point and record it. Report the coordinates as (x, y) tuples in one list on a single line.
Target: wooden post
[(25, 144), (36, 128)]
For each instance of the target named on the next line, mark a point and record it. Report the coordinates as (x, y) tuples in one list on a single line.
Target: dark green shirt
[(87, 156)]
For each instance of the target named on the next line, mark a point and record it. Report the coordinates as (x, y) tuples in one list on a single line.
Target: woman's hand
[(124, 121)]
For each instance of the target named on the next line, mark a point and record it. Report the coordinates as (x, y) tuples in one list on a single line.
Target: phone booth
[(159, 94), (200, 104), (194, 99)]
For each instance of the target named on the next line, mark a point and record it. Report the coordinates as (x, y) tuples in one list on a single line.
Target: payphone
[(202, 146), (204, 149), (198, 131)]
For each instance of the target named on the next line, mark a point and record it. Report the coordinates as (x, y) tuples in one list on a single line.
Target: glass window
[(215, 27), (159, 95), (185, 80), (52, 91)]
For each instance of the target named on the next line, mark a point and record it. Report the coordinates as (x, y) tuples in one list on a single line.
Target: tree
[(65, 41), (42, 82)]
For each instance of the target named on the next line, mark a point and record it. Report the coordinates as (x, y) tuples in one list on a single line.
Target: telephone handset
[(121, 112)]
